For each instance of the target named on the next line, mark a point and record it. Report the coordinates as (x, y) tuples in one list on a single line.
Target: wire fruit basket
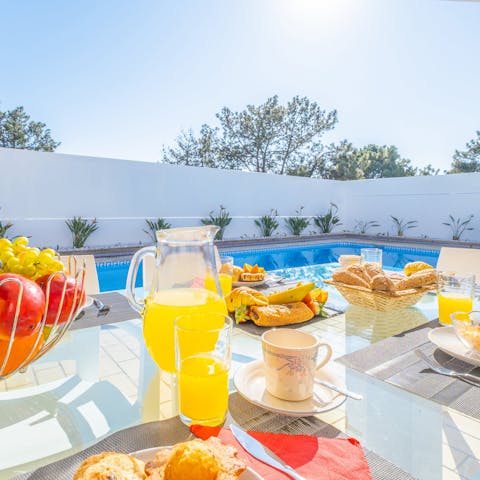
[(381, 301), (64, 297)]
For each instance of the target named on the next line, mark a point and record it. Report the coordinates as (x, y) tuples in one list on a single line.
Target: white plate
[(149, 454), (250, 383), (446, 339)]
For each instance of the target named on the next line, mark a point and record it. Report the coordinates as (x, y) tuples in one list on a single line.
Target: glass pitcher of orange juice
[(185, 281)]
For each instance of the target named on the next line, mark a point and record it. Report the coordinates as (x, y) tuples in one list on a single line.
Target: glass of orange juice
[(203, 356), (455, 294), (225, 275)]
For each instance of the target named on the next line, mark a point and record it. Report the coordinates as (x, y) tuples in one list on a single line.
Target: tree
[(342, 163), (286, 139), (269, 138), (18, 131), (346, 162), (467, 160)]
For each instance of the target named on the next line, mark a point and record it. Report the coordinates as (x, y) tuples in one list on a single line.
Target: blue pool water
[(288, 257), (113, 276), (311, 261)]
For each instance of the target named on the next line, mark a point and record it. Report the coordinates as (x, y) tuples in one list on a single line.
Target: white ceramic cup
[(290, 362)]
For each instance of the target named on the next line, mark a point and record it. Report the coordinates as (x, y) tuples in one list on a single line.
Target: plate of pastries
[(192, 460), (248, 275)]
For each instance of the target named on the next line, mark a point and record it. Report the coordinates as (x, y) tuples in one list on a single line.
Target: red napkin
[(315, 458)]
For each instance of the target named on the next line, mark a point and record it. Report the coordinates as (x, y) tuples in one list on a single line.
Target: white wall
[(39, 191), (429, 200)]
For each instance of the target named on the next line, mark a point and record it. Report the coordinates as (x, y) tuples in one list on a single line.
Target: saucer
[(250, 384), (446, 339)]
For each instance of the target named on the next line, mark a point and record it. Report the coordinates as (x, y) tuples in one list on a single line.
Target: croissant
[(244, 296), (413, 267)]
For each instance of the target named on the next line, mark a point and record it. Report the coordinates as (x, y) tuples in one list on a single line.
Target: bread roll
[(360, 271), (383, 283), (349, 278), (108, 465), (419, 279), (372, 270)]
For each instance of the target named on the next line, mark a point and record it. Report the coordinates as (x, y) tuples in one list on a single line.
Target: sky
[(122, 78)]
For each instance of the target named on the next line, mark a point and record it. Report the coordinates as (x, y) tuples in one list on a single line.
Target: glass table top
[(101, 379)]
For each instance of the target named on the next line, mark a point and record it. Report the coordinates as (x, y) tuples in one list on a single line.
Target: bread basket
[(377, 300)]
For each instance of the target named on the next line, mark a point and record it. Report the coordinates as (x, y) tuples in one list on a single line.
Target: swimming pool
[(305, 261)]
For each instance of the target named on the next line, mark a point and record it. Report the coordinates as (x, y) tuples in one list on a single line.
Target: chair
[(91, 276), (460, 260)]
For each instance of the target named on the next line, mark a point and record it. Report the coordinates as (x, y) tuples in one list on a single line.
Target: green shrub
[(222, 220), (362, 226), (401, 225), (297, 224), (327, 222), (268, 224), (4, 226), (154, 225), (81, 229), (458, 226)]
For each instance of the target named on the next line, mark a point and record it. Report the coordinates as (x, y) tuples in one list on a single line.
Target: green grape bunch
[(18, 257)]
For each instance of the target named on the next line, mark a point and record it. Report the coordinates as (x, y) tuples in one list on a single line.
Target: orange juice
[(225, 283), (449, 302), (203, 389), (161, 311)]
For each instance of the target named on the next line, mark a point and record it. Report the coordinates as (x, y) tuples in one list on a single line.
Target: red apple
[(32, 306), (73, 292)]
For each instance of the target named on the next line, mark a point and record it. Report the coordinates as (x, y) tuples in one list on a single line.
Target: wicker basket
[(381, 301)]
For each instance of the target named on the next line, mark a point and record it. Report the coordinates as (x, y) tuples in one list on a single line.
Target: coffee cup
[(290, 362)]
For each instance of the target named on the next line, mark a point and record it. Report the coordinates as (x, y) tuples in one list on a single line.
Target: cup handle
[(327, 356)]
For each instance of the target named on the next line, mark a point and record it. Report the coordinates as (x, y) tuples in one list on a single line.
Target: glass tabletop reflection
[(101, 379)]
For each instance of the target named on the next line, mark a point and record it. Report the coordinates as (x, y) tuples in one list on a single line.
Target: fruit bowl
[(467, 329), (35, 313)]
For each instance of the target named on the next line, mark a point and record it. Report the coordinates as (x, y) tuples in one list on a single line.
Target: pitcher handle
[(137, 304)]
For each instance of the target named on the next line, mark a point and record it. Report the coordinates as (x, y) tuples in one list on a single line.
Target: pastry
[(396, 276), (349, 278), (277, 315), (196, 459), (372, 270), (252, 277), (110, 465), (419, 279), (383, 283), (244, 296), (360, 271), (413, 267)]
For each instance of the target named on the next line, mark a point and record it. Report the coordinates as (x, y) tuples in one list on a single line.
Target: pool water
[(113, 276), (289, 257), (313, 262)]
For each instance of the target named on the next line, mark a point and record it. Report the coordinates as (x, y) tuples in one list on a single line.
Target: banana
[(292, 295)]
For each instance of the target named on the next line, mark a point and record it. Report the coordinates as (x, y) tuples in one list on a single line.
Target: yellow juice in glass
[(225, 283), (161, 311), (203, 389), (449, 302)]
